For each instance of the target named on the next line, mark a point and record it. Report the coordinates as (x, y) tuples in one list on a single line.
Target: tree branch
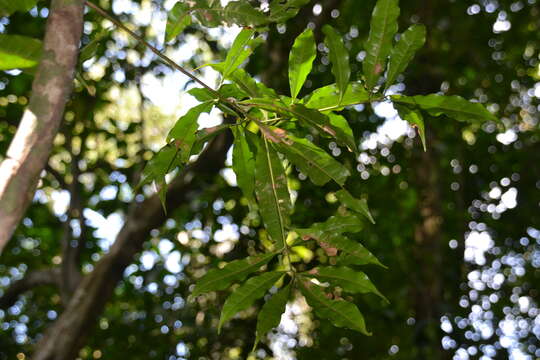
[(28, 152), (28, 282)]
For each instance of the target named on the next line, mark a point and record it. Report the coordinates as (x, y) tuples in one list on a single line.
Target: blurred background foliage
[(458, 226)]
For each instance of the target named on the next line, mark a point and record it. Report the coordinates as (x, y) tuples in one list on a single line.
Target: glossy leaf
[(238, 52), (313, 161), (246, 294), (335, 225), (177, 20), (339, 57), (19, 52), (184, 131), (454, 107), (351, 281), (8, 7), (301, 59), (243, 162), (242, 13), (354, 252), (340, 313), (270, 314), (415, 118), (379, 43), (402, 54), (235, 271), (358, 205), (272, 193), (328, 97)]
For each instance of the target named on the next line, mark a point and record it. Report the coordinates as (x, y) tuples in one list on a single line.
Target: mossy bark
[(29, 150)]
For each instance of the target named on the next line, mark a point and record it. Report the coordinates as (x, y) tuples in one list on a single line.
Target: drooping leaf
[(270, 314), (413, 117), (354, 252), (328, 98), (352, 281), (358, 205), (204, 135), (281, 11), (184, 131), (379, 43), (339, 57), (341, 123), (301, 59), (340, 313), (243, 162), (272, 193), (402, 54), (235, 271), (335, 225), (19, 52), (313, 161), (246, 294), (454, 107), (8, 7), (238, 52), (177, 20)]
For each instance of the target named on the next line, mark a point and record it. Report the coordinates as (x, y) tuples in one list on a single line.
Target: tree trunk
[(29, 150)]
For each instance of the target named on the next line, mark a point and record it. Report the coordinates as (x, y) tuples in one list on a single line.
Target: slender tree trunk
[(29, 150)]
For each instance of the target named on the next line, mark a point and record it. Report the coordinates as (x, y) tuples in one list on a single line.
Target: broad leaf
[(281, 11), (379, 43), (358, 205), (242, 13), (351, 281), (340, 313), (335, 225), (177, 20), (354, 252), (184, 131), (402, 54), (246, 294), (272, 193), (313, 161), (235, 271), (415, 118), (246, 83), (19, 52), (327, 97), (243, 163), (270, 314), (339, 57), (238, 52), (454, 107), (301, 59), (204, 135), (8, 7), (345, 131)]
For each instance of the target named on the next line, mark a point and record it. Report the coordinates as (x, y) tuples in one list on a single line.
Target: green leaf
[(204, 135), (301, 59), (8, 7), (351, 281), (235, 271), (339, 57), (340, 122), (177, 20), (402, 54), (90, 49), (340, 313), (415, 118), (243, 163), (238, 52), (270, 314), (246, 294), (313, 161), (184, 131), (19, 52), (243, 14), (246, 83), (454, 107), (272, 193), (281, 11), (328, 97), (355, 252), (379, 43), (358, 205), (335, 225)]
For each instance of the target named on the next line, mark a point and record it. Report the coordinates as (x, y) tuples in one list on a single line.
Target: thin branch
[(28, 282)]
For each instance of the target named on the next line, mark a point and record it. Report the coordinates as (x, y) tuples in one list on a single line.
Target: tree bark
[(65, 337), (29, 150)]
